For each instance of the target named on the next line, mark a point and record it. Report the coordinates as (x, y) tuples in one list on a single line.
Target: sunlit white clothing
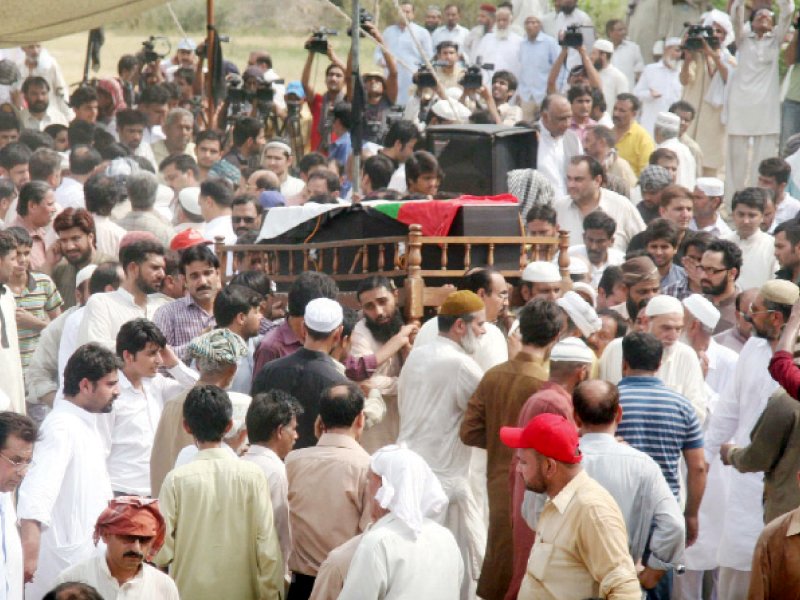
[(665, 82), (618, 207), (11, 582), (106, 312), (758, 259), (492, 348)]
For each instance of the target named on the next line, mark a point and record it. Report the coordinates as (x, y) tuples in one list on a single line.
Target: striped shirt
[(658, 422), (39, 297), (181, 321)]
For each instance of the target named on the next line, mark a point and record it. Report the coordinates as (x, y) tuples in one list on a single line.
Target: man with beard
[(383, 340), (659, 85), (485, 24), (132, 530), (642, 282), (381, 93), (443, 376), (787, 253), (142, 259), (184, 319), (68, 486), (246, 214), (76, 246), (500, 47), (719, 269), (39, 114), (613, 80), (736, 414)]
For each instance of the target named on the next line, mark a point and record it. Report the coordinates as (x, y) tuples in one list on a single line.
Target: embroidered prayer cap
[(703, 310), (581, 313), (459, 303), (710, 186), (668, 120), (189, 199), (636, 270), (217, 346), (132, 515), (323, 315), (540, 271), (549, 434), (222, 169), (654, 178), (780, 291), (663, 305)]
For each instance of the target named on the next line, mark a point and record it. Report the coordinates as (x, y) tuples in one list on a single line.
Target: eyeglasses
[(19, 467), (711, 270), (749, 316), (249, 220)]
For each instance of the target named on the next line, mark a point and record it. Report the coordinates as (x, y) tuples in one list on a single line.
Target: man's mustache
[(133, 554)]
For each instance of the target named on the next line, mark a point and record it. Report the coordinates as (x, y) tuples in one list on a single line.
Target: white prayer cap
[(451, 110), (663, 305), (658, 47), (409, 489), (581, 313), (668, 120), (710, 186), (572, 349), (187, 44), (189, 199), (84, 274), (578, 265), (540, 271), (603, 46), (581, 287), (323, 315), (702, 310), (673, 41)]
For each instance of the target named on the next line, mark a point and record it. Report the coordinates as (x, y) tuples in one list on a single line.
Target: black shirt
[(305, 374)]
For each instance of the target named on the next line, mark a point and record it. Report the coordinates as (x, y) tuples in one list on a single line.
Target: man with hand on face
[(128, 432), (132, 530), (68, 486), (719, 268)]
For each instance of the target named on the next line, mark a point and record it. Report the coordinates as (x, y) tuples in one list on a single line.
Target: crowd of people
[(174, 429)]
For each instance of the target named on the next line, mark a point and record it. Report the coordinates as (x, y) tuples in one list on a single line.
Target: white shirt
[(66, 489), (614, 257), (108, 235), (627, 58), (391, 564), (106, 312), (680, 371), (48, 68), (492, 346), (11, 382), (687, 167), (502, 52), (758, 259), (148, 584), (152, 135), (720, 228), (11, 583), (550, 160), (660, 78), (554, 23), (629, 221), (275, 470), (291, 187), (220, 226), (785, 211), (400, 43), (398, 180), (739, 407), (69, 340), (70, 193), (51, 116), (457, 35), (128, 431), (614, 83)]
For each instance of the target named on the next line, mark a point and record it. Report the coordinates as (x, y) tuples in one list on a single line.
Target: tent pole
[(356, 70), (210, 41)]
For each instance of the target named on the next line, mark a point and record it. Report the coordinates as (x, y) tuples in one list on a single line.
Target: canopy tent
[(29, 21)]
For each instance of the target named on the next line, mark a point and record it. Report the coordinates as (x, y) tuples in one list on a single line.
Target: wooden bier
[(422, 286)]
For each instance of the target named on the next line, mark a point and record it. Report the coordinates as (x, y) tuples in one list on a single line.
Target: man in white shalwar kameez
[(68, 486), (754, 93), (12, 384), (434, 389), (737, 411), (667, 128), (659, 85), (405, 554), (680, 368), (500, 47)]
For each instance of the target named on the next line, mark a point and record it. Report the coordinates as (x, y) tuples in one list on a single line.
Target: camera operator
[(184, 58), (496, 101), (754, 117), (566, 15), (704, 77), (322, 104), (583, 74), (449, 74), (614, 80)]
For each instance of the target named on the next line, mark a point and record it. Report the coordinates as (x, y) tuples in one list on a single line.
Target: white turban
[(581, 313), (723, 20), (409, 489)]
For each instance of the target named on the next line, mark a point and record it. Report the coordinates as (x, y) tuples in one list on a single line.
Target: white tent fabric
[(29, 21)]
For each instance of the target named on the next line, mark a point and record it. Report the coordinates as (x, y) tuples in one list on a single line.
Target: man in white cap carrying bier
[(736, 414), (614, 80), (405, 553), (679, 369), (443, 375), (665, 132), (709, 192), (540, 279), (659, 85), (582, 319)]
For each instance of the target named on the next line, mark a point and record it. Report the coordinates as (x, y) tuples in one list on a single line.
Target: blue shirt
[(674, 277), (399, 43), (340, 149), (537, 56), (659, 422)]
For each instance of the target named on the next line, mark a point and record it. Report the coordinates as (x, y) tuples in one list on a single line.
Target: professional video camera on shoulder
[(364, 17), (423, 78), (319, 40), (696, 35), (473, 78), (155, 48)]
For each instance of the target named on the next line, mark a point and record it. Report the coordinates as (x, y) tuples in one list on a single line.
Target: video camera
[(262, 95), (473, 78), (319, 41), (696, 34), (573, 37), (424, 78), (364, 17), (155, 48)]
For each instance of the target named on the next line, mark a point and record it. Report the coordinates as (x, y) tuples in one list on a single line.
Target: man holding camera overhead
[(322, 104)]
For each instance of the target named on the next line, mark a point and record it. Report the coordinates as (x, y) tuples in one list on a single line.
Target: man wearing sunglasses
[(246, 215)]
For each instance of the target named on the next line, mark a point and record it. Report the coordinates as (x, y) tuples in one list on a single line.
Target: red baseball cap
[(549, 434), (186, 239)]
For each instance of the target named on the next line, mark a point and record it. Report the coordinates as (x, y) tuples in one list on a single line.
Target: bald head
[(556, 114), (596, 404)]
